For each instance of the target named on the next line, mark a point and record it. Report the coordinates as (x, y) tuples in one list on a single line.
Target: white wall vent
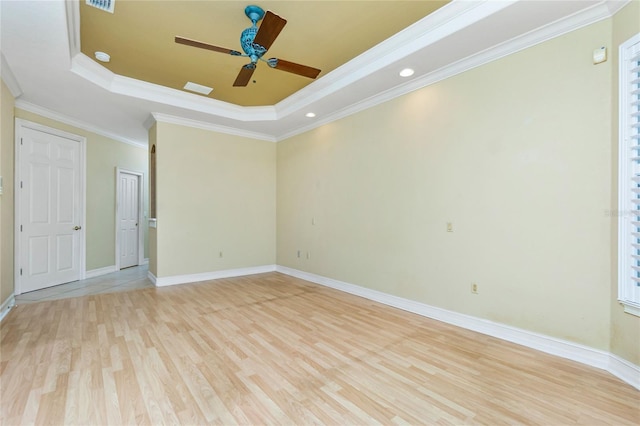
[(198, 88), (106, 5)]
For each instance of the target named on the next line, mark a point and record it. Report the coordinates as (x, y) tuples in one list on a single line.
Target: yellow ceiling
[(325, 34)]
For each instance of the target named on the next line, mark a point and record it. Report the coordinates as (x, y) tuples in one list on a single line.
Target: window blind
[(629, 181)]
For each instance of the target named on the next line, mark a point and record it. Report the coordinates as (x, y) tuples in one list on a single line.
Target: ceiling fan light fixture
[(198, 88), (102, 57), (310, 115), (407, 72)]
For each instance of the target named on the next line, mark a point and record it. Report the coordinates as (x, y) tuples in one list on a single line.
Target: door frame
[(140, 176), (21, 124)]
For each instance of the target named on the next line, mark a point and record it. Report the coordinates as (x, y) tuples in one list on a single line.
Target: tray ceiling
[(44, 66), (139, 37)]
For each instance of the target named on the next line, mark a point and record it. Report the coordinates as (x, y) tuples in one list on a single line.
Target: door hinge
[(20, 141), (20, 271), (20, 184), (20, 228)]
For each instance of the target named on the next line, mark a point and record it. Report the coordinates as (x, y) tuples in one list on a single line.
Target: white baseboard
[(600, 359), (624, 370), (228, 273), (145, 261), (7, 305), (100, 271), (152, 277)]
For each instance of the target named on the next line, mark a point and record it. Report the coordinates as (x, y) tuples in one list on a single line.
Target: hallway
[(123, 280)]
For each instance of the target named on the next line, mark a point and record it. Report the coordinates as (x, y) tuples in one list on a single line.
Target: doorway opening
[(129, 219), (49, 207)]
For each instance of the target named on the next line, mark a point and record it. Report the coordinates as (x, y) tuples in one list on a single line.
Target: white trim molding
[(166, 118), (47, 113), (206, 276), (429, 34), (100, 271), (7, 305), (551, 345), (624, 370), (596, 13), (9, 77), (20, 125)]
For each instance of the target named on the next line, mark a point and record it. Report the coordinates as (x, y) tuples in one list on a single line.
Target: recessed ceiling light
[(198, 88), (407, 72), (310, 115), (102, 57)]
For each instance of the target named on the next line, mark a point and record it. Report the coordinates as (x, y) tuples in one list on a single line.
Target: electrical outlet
[(474, 288), (449, 227), (298, 253), (308, 255), (220, 254)]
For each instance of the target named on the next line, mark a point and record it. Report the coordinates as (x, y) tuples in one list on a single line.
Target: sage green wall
[(216, 193), (6, 199), (625, 328), (103, 156), (516, 154)]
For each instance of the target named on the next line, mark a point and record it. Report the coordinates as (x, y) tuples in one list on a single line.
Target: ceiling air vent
[(106, 5)]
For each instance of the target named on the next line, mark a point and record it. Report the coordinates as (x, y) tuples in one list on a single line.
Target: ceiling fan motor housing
[(255, 51)]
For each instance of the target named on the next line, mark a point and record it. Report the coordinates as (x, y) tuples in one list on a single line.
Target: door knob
[(77, 228)]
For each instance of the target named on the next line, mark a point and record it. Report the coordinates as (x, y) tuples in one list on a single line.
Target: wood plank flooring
[(272, 349), (122, 280)]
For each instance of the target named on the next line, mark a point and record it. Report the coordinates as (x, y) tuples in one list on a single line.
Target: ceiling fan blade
[(244, 75), (271, 26), (294, 68), (203, 45)]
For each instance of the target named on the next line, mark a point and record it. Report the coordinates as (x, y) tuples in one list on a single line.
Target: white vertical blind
[(629, 181)]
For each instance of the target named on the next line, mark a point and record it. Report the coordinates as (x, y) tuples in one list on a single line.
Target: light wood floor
[(271, 349), (123, 280)]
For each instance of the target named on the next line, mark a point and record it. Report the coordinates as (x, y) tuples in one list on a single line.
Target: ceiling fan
[(255, 42)]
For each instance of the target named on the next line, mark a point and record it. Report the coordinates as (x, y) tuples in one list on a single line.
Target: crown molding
[(149, 122), (47, 113), (9, 77), (440, 24), (166, 118), (581, 19), (90, 70), (615, 5), (429, 30), (72, 10)]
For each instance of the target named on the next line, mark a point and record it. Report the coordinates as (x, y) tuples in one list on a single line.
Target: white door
[(50, 209), (128, 217)]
